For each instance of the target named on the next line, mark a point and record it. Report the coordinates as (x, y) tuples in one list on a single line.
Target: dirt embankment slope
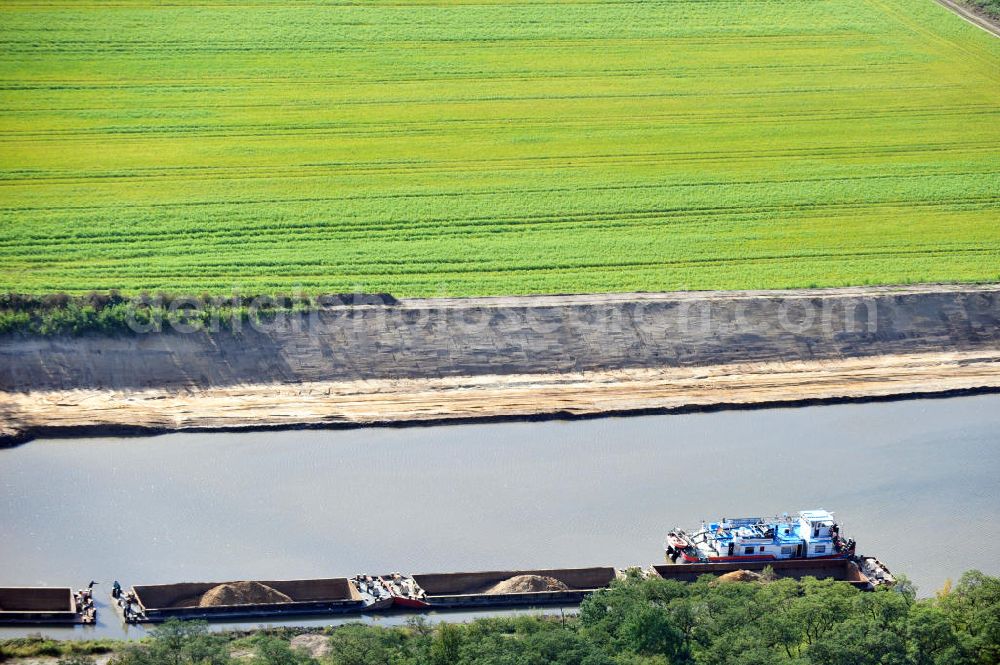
[(440, 359)]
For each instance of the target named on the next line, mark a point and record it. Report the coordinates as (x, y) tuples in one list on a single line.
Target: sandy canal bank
[(520, 357), (498, 397)]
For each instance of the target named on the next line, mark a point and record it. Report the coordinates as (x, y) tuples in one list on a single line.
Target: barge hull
[(469, 590), (261, 611), (318, 596), (456, 591), (38, 605), (844, 570)]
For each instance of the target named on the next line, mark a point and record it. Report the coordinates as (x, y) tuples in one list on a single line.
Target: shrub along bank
[(113, 314), (989, 7)]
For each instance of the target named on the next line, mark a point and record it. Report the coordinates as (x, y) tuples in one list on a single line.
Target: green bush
[(111, 314), (37, 645), (990, 7)]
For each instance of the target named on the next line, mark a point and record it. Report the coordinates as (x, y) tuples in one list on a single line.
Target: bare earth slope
[(445, 359)]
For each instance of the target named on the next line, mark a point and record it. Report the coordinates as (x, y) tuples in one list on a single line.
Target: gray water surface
[(912, 481)]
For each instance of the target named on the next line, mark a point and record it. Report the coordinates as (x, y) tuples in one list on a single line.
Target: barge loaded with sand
[(372, 594), (507, 588), (366, 594), (248, 599)]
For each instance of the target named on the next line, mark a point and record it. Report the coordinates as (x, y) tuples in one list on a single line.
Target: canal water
[(917, 483)]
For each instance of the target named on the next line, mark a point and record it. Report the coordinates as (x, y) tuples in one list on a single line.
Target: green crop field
[(485, 147)]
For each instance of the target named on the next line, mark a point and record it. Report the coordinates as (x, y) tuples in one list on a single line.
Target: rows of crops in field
[(485, 147)]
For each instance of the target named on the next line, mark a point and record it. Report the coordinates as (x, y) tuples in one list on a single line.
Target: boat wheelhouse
[(813, 534)]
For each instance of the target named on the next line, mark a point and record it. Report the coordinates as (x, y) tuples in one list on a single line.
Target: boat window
[(761, 548), (820, 549), (748, 550), (787, 549)]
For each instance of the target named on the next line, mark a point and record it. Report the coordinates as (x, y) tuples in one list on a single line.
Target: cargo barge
[(809, 545), (499, 588), (46, 606), (251, 599), (856, 573), (364, 594)]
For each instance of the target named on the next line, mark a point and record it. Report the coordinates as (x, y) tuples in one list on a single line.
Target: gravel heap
[(527, 584), (235, 593), (740, 576)]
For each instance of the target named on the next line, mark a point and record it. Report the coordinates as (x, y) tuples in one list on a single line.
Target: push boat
[(812, 534)]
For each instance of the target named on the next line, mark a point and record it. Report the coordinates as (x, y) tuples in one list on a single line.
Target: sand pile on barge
[(527, 584), (242, 593), (740, 576), (236, 593)]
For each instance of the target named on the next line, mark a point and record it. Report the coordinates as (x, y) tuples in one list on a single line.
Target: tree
[(859, 641), (274, 651), (823, 605), (648, 631), (446, 644), (973, 609), (358, 644), (560, 646), (178, 643), (645, 617), (933, 640)]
